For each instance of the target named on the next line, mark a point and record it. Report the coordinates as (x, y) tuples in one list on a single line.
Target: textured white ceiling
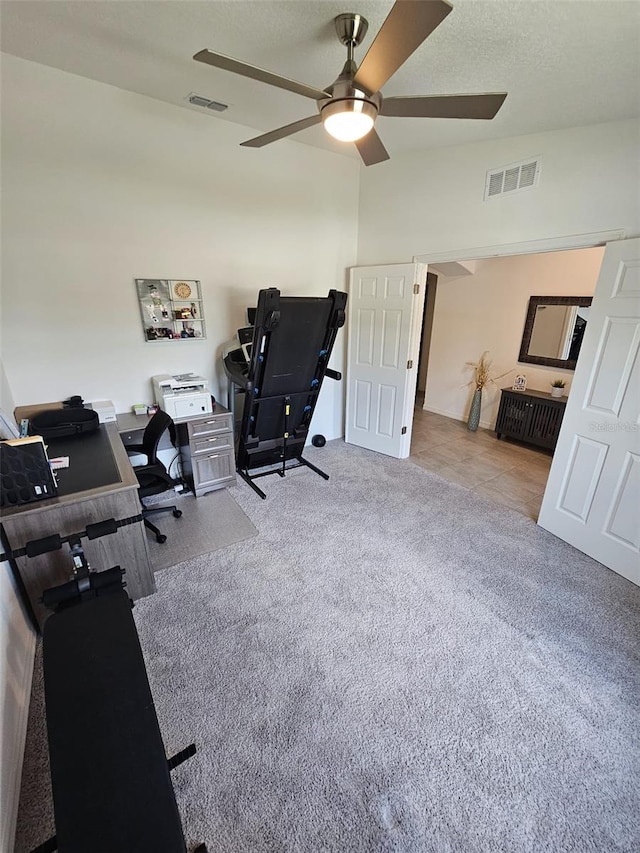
[(564, 63)]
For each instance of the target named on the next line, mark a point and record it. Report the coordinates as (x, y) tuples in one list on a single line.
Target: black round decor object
[(318, 441)]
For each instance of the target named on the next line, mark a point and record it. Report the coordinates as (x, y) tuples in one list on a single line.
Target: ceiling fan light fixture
[(349, 119), (348, 107)]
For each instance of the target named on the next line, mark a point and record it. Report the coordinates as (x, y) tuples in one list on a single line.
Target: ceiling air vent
[(207, 103), (513, 178)]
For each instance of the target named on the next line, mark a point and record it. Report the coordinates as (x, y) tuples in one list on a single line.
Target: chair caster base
[(161, 538), (177, 513)]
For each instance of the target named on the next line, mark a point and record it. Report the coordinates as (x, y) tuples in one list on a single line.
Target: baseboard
[(455, 416)]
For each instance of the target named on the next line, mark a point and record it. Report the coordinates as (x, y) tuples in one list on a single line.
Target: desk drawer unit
[(209, 425), (212, 453), (211, 444)]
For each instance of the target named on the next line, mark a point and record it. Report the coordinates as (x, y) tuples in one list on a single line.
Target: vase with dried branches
[(482, 377)]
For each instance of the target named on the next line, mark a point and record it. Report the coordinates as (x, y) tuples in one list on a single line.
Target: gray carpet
[(208, 523), (392, 664)]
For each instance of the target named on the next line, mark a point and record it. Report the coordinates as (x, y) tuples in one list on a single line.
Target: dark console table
[(531, 416)]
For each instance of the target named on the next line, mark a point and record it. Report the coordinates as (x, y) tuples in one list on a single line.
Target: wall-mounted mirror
[(554, 329)]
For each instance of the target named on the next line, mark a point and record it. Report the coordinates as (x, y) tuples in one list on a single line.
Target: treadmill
[(278, 374)]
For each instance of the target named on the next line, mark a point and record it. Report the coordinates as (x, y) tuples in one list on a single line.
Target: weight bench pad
[(111, 785)]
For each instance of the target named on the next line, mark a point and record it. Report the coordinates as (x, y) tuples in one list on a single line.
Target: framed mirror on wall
[(553, 330)]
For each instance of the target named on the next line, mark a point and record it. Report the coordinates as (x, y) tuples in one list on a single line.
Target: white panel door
[(592, 498), (385, 317)]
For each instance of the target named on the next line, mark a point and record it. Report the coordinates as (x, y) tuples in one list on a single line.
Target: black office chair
[(153, 477)]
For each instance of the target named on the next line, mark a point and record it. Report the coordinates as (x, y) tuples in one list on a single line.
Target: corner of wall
[(7, 404)]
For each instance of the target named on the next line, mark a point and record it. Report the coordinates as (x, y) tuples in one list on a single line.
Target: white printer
[(105, 410), (182, 396)]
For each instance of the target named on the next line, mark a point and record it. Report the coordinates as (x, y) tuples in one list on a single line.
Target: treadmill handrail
[(234, 373)]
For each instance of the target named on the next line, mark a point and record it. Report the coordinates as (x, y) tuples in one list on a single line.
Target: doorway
[(481, 306), (425, 335)]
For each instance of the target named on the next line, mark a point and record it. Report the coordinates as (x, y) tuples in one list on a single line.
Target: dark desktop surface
[(91, 462)]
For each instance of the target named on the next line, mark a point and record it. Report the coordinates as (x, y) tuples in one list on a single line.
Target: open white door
[(384, 320), (592, 498)]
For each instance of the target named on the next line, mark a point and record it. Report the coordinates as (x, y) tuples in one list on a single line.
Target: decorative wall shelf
[(171, 309)]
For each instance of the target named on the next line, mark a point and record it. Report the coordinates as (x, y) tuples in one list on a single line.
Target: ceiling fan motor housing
[(343, 91)]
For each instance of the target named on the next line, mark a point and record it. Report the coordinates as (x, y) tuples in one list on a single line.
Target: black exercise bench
[(112, 790)]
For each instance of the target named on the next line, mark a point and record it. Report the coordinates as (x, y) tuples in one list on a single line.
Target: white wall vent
[(207, 103), (513, 178)]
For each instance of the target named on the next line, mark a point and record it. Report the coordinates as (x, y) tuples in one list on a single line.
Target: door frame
[(527, 247)]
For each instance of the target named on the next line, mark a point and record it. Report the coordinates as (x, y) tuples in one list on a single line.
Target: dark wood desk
[(99, 484)]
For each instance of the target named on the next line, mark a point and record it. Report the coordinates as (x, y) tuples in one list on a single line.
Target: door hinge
[(404, 430), (416, 288), (409, 364)]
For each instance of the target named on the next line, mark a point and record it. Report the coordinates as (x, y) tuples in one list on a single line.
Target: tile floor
[(503, 470)]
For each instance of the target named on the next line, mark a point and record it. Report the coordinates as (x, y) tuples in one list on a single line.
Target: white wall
[(101, 186), (487, 311), (432, 201), (17, 649)]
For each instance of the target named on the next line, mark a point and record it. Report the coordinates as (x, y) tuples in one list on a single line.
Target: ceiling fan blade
[(218, 60), (408, 24), (445, 106), (281, 132), (371, 149)]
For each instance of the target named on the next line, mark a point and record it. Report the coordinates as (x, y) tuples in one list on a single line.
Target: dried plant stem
[(482, 372)]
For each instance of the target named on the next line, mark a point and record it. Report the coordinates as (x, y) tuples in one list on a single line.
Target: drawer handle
[(215, 456), (211, 439)]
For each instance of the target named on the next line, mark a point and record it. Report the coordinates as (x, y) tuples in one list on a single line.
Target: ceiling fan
[(349, 107)]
